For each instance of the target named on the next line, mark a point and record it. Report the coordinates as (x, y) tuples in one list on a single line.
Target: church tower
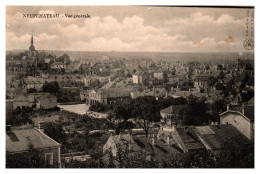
[(32, 51)]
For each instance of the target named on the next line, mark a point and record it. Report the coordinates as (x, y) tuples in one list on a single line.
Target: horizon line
[(137, 51)]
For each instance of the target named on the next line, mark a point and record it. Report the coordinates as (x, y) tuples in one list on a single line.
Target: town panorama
[(130, 87)]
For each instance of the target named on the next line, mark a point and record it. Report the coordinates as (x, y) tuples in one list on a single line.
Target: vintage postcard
[(129, 87)]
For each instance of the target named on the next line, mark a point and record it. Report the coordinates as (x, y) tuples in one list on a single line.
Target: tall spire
[(32, 39), (32, 48)]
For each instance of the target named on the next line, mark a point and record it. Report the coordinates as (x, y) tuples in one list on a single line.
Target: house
[(83, 94), (217, 138), (21, 140), (200, 82), (173, 80), (108, 96), (47, 101), (58, 65), (139, 77), (75, 156), (158, 146), (156, 92), (33, 100), (20, 101), (186, 94), (158, 75), (171, 115), (33, 83), (241, 117)]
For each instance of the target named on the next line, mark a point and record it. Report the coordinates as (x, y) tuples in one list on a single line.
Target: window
[(49, 159)]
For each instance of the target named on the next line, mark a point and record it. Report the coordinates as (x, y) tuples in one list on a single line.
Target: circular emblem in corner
[(249, 44)]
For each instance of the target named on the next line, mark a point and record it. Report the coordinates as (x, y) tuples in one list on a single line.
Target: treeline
[(145, 111)]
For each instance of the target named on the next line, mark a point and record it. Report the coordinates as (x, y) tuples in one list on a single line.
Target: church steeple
[(32, 48), (32, 51), (32, 39)]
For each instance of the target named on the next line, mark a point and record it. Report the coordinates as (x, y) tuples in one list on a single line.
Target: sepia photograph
[(129, 87)]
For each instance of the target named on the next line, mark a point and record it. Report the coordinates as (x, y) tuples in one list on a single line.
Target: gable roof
[(216, 136), (248, 112), (19, 139), (174, 109)]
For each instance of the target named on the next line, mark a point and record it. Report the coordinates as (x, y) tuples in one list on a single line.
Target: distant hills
[(165, 56)]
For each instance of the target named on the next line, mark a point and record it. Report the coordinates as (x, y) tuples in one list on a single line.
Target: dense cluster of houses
[(35, 100), (108, 81), (173, 139)]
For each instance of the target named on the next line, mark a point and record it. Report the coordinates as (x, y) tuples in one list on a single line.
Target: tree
[(52, 87), (216, 108), (212, 80), (30, 159), (220, 86), (32, 90), (18, 117), (98, 107), (123, 111), (220, 67), (124, 125), (237, 154), (166, 102), (197, 112), (64, 58), (55, 131), (146, 112), (249, 67)]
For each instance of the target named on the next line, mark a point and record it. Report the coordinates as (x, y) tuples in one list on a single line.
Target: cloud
[(194, 33)]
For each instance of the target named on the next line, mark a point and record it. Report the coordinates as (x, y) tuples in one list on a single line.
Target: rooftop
[(174, 109), (217, 136), (21, 138)]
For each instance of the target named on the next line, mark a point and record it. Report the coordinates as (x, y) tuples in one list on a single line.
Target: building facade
[(24, 139), (108, 96)]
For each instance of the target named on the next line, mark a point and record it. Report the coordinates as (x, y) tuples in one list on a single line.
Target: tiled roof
[(220, 136), (202, 78), (20, 138), (251, 101), (114, 90), (188, 93), (174, 109), (249, 111), (190, 139)]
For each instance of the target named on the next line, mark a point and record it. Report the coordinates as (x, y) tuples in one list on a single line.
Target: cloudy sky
[(129, 28)]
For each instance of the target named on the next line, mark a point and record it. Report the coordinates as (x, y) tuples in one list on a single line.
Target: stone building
[(21, 140)]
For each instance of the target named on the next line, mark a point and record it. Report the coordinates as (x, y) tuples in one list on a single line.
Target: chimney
[(189, 89), (168, 139), (158, 136), (129, 145), (166, 95), (228, 107), (171, 89), (8, 128), (243, 109), (41, 125), (173, 128), (153, 140), (172, 109)]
